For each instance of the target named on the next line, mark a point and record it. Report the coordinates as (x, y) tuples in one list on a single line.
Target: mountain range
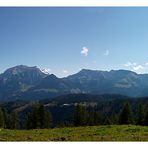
[(32, 83)]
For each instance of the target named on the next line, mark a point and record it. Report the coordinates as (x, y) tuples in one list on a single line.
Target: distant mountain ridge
[(19, 79), (23, 82)]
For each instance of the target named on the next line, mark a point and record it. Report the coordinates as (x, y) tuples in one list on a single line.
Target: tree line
[(38, 117), (90, 116)]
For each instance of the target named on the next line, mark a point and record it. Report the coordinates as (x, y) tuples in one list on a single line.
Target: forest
[(41, 116)]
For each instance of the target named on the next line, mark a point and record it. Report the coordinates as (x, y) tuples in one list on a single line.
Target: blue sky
[(65, 40)]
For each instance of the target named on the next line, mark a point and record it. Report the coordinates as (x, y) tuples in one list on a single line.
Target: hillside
[(62, 107), (89, 133), (31, 83)]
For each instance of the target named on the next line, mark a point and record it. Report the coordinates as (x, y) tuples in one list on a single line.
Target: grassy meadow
[(89, 133)]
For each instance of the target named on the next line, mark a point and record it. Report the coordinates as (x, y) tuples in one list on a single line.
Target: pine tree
[(80, 116), (14, 120), (96, 117), (29, 121), (5, 117), (2, 122), (48, 120), (114, 118), (44, 117), (38, 118), (41, 113), (35, 117), (76, 116), (126, 115), (140, 115), (146, 117), (92, 117)]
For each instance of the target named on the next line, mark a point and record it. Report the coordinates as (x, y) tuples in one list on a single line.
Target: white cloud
[(129, 64), (146, 64), (65, 71), (84, 51), (138, 67), (134, 66), (106, 53)]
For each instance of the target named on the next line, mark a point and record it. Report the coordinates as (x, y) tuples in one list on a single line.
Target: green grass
[(89, 133)]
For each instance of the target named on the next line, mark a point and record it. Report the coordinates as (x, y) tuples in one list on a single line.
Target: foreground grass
[(89, 133)]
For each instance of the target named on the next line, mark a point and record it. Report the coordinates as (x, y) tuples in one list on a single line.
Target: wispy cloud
[(134, 66), (129, 64), (106, 53), (138, 67), (84, 51)]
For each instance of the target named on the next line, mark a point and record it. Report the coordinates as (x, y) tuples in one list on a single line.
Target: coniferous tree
[(77, 116), (96, 117), (41, 114), (5, 117), (2, 121), (126, 115), (92, 117), (29, 121), (146, 118), (14, 120), (35, 117), (38, 118), (114, 118), (44, 117), (48, 120), (140, 115), (80, 115)]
